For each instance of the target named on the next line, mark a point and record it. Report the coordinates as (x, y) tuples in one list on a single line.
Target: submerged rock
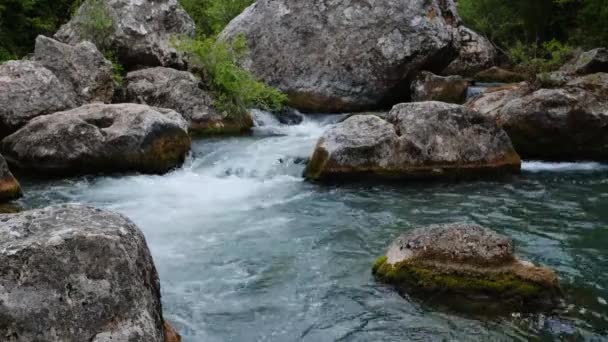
[(9, 186), (75, 273), (184, 93), (81, 67), (101, 138), (417, 140), (349, 55), (498, 75), (465, 260), (27, 90), (289, 116), (140, 32), (563, 124), (430, 87)]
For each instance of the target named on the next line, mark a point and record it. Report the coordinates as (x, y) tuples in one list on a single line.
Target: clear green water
[(248, 251)]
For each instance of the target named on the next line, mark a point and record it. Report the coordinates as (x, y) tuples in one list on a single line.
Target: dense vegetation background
[(532, 32)]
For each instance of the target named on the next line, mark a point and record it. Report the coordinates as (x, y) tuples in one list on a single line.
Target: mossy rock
[(467, 261)]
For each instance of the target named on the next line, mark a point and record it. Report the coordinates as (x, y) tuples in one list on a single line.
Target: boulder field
[(57, 78), (344, 56), (74, 273), (415, 141), (100, 138), (466, 260), (564, 123)]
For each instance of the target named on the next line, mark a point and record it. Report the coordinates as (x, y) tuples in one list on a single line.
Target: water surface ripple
[(248, 251)]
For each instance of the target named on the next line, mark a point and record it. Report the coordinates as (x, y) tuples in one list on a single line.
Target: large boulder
[(564, 123), (430, 87), (465, 260), (100, 138), (346, 55), (474, 53), (74, 273), (417, 140), (184, 93), (81, 67), (27, 90), (140, 32), (9, 186)]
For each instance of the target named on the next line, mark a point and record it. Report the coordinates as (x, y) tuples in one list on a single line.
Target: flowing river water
[(249, 251)]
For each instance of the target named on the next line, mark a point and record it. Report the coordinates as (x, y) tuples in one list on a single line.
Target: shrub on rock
[(345, 56), (101, 138), (465, 260), (75, 273), (184, 93), (417, 140)]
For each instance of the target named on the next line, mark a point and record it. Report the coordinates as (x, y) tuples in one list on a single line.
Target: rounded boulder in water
[(465, 259)]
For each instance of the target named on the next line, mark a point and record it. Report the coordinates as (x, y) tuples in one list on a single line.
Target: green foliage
[(22, 20), (234, 88), (211, 16), (533, 59), (538, 34), (95, 23)]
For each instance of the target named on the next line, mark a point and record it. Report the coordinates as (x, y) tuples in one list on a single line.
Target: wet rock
[(81, 67), (499, 75), (184, 93), (588, 62), (171, 334), (474, 53), (465, 260), (417, 140), (348, 55), (140, 31), (289, 116), (27, 90), (430, 87), (75, 273), (563, 124), (9, 186), (100, 138)]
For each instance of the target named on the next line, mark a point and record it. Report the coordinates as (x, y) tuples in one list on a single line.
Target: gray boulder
[(417, 140), (345, 55), (81, 67), (9, 186), (562, 124), (101, 138), (430, 87), (27, 90), (588, 62), (139, 31), (184, 93), (474, 53), (74, 273), (465, 260)]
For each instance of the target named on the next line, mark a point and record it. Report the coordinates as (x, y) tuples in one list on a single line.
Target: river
[(249, 251)]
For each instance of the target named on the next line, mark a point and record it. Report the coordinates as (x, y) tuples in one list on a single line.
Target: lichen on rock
[(466, 260)]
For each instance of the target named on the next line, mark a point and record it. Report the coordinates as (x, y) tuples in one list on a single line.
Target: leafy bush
[(534, 59), (211, 16), (234, 89)]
